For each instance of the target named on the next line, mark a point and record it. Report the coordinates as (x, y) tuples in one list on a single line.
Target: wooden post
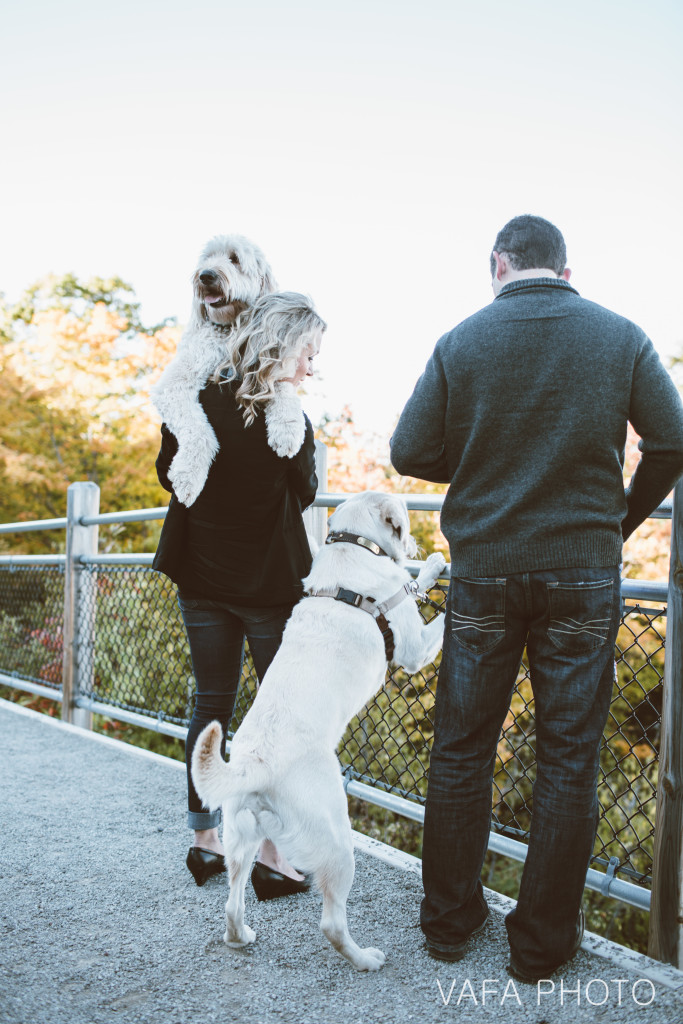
[(316, 518), (666, 911), (82, 499)]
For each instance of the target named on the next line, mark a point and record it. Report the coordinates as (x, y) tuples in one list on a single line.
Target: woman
[(240, 551)]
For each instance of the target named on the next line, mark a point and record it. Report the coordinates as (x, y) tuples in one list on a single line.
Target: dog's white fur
[(242, 275), (283, 780), (285, 423)]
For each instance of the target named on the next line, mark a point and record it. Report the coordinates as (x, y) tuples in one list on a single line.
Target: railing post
[(666, 912), (316, 518), (82, 499)]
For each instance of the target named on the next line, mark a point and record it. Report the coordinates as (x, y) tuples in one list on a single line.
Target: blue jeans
[(216, 633), (568, 619)]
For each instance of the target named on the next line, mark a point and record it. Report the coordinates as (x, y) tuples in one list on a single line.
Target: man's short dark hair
[(529, 242)]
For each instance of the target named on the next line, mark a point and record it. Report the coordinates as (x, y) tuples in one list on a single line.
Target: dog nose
[(208, 276)]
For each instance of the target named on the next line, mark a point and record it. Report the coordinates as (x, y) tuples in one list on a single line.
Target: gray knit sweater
[(523, 409)]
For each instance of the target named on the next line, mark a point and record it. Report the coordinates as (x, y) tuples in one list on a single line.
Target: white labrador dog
[(283, 780)]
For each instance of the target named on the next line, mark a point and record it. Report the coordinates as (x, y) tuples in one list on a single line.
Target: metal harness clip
[(413, 589)]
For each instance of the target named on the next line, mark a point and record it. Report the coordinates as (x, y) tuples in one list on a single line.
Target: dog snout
[(208, 277)]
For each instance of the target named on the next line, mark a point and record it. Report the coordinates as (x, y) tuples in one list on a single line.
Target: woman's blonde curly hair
[(265, 346)]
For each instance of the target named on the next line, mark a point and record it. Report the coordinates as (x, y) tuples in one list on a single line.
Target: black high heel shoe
[(270, 885), (204, 863)]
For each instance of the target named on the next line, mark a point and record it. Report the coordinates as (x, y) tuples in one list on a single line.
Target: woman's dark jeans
[(216, 632), (568, 619)]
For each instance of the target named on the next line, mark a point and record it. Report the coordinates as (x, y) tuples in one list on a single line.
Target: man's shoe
[(515, 970), (519, 974), (457, 952)]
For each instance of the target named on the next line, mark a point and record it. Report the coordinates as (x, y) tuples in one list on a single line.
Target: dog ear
[(268, 282), (198, 311), (393, 515)]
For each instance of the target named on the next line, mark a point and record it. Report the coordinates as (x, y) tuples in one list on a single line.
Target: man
[(523, 409)]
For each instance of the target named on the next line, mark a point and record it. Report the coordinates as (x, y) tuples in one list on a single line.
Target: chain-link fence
[(139, 662), (32, 623)]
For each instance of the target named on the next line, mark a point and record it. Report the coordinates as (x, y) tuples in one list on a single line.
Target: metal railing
[(103, 633)]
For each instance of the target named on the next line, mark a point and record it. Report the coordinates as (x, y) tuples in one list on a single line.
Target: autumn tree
[(76, 364)]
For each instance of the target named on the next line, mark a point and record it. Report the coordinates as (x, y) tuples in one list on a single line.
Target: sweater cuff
[(653, 479)]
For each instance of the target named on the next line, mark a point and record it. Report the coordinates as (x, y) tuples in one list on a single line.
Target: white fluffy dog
[(232, 273), (283, 780)]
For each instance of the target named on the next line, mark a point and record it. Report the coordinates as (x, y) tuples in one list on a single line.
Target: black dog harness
[(369, 604)]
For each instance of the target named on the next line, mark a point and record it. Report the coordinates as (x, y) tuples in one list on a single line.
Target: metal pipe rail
[(598, 881), (649, 590), (17, 683), (35, 524), (415, 503), (13, 560)]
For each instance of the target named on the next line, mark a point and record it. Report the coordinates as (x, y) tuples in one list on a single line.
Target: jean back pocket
[(477, 613), (580, 615)]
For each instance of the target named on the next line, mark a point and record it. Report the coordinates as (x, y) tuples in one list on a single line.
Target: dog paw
[(369, 959), (186, 491), (188, 477), (285, 423), (432, 568), (236, 940), (436, 563)]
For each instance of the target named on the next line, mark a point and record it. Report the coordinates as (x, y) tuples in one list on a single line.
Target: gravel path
[(101, 921)]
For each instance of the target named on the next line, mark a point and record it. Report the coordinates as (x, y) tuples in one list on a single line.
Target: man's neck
[(511, 275)]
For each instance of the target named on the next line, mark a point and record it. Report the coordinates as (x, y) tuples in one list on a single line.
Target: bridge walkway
[(102, 923)]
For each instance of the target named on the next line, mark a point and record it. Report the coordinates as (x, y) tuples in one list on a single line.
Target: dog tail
[(216, 780), (210, 773)]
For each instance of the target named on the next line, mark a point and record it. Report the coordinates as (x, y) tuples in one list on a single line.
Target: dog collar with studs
[(336, 537)]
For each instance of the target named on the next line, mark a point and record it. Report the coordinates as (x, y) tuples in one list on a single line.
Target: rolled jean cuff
[(200, 821)]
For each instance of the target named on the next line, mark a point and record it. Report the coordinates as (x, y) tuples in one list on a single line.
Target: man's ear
[(566, 274), (501, 265)]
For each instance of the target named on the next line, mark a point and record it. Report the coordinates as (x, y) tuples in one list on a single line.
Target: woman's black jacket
[(243, 540)]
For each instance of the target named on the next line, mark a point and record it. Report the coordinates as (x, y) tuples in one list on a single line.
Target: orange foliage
[(75, 368), (92, 364), (646, 552)]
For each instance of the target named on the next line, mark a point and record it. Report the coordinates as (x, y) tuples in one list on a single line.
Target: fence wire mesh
[(32, 623), (139, 658), (136, 650)]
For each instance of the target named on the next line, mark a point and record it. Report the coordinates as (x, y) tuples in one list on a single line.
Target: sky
[(371, 148)]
